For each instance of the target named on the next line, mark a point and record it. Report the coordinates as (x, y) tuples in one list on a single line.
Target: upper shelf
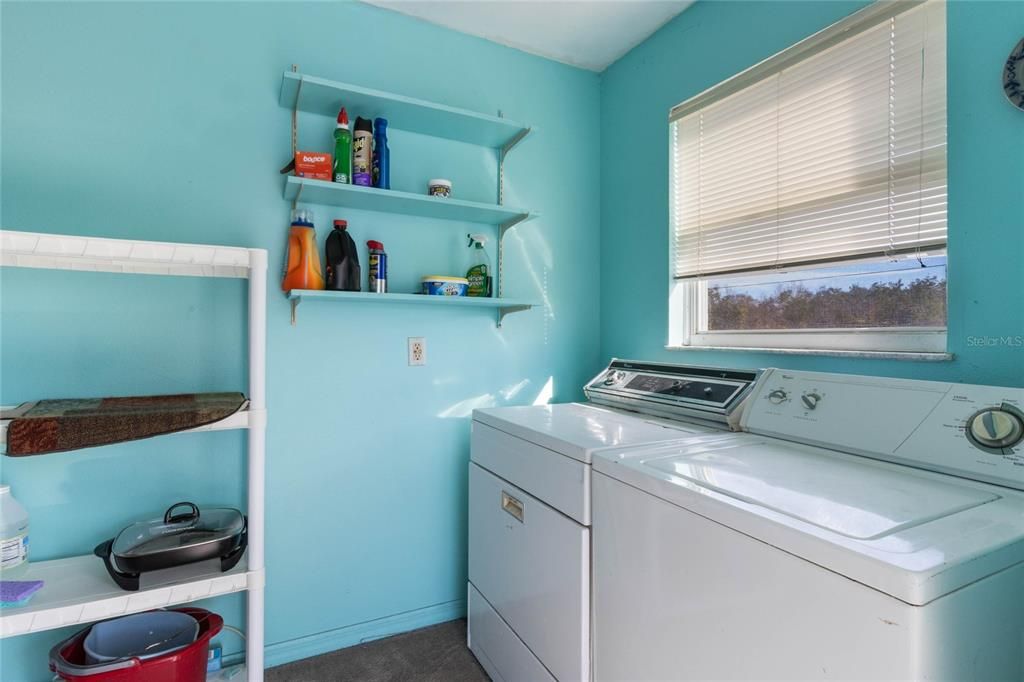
[(393, 201), (67, 252), (322, 96), (238, 420)]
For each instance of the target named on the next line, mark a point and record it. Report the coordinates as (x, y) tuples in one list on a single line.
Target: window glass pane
[(880, 294)]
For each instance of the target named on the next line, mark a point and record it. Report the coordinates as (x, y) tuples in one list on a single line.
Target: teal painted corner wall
[(712, 41), (161, 121)]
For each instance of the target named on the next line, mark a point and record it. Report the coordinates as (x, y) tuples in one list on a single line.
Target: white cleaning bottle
[(13, 536)]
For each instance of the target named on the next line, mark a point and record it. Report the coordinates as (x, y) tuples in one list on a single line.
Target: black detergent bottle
[(342, 259)]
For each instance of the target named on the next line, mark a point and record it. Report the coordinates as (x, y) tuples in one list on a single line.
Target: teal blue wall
[(161, 121), (712, 41)]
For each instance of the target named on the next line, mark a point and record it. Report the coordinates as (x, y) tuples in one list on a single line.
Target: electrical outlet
[(417, 350)]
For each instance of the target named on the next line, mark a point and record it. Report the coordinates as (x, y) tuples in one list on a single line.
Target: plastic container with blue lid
[(440, 285)]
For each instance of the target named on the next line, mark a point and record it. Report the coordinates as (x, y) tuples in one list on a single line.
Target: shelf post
[(257, 438), (502, 153), (295, 114)]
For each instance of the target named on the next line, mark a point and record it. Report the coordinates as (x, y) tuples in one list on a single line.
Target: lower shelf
[(232, 673), (503, 306), (78, 590)]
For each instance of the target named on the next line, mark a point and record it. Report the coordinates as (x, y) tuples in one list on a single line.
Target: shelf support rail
[(504, 227), (295, 114), (295, 201)]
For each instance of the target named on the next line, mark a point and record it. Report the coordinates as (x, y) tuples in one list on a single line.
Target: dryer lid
[(578, 429), (855, 499)]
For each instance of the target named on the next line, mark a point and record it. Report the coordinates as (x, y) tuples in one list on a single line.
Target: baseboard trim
[(280, 653)]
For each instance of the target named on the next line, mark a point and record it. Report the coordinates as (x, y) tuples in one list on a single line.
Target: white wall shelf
[(503, 306), (322, 96), (405, 203), (78, 590), (305, 93)]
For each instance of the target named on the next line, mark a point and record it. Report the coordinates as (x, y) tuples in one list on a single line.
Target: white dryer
[(864, 529), (529, 505)]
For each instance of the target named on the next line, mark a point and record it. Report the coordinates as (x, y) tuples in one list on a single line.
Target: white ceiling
[(587, 33)]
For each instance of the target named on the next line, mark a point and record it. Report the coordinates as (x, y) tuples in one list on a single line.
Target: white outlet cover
[(417, 351)]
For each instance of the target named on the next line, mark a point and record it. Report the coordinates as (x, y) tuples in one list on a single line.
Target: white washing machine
[(529, 505), (864, 529)]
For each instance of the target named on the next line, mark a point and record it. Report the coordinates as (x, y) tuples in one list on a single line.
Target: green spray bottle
[(479, 273), (342, 149)]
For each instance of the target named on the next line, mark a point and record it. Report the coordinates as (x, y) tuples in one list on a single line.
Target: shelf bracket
[(508, 146), (295, 114), (508, 310), (502, 153), (502, 229), (295, 304), (509, 224)]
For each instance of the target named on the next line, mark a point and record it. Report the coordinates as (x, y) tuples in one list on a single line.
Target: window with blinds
[(833, 151)]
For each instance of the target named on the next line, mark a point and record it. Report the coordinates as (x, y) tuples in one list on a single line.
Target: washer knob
[(810, 400), (996, 427), (778, 396)]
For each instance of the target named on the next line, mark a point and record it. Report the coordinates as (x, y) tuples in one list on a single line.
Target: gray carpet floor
[(434, 654)]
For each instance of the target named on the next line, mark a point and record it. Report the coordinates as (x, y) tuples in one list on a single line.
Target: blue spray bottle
[(381, 154)]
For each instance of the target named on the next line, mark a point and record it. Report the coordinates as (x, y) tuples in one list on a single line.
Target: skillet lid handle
[(191, 515)]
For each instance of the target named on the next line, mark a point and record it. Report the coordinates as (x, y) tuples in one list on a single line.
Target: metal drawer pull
[(512, 506)]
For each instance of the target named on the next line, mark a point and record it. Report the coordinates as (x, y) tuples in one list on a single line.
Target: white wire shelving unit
[(77, 589)]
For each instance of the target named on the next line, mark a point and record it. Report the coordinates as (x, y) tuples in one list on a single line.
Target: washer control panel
[(968, 430), (672, 390)]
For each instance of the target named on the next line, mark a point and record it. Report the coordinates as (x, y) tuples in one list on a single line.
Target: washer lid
[(913, 534), (577, 429), (843, 496)]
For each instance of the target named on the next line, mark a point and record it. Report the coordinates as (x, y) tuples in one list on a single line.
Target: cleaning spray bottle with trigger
[(479, 273)]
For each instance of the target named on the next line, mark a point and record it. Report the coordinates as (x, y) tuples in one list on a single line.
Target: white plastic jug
[(13, 536)]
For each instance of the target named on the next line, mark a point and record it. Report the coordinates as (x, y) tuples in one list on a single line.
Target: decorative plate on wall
[(1013, 76)]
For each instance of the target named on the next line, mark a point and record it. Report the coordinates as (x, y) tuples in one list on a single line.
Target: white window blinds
[(828, 151)]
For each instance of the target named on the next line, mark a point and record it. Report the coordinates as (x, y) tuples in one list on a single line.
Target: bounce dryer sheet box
[(315, 165)]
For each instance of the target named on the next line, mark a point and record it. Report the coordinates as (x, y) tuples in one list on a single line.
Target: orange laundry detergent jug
[(302, 267)]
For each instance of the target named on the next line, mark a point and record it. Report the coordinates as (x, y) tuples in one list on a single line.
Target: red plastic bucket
[(67, 659)]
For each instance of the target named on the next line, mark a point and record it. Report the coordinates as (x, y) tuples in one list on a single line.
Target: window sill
[(866, 354)]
